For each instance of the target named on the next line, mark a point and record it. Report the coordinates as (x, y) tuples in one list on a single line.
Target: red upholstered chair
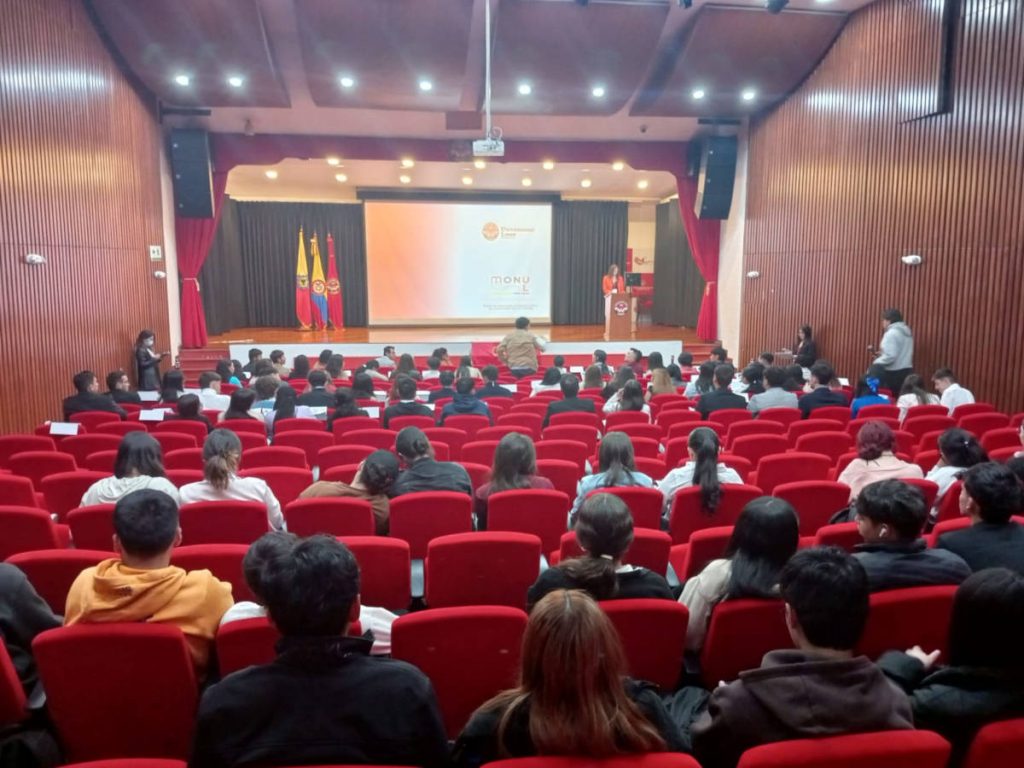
[(653, 467), (580, 433), (184, 458), (175, 441), (419, 517), (649, 760), (567, 450), (576, 419), (92, 419), (728, 417), (453, 438), (668, 418), (949, 507), (921, 425), (119, 428), (180, 477), (929, 441), (926, 410), (92, 527), (194, 428), (840, 413), (969, 409), (249, 426), (13, 704), (282, 426), (815, 501), (498, 432), (274, 456), (12, 444), (26, 529), (101, 461), (222, 560), (479, 452), (530, 421), (152, 720), (888, 749), (53, 571), (384, 568), (685, 428), (927, 487), (485, 568), (926, 460), (340, 455), (791, 467), (398, 423), (35, 465), (742, 465), (831, 444), (641, 430), (154, 762), (332, 515), (997, 745), (341, 427), (653, 635), (543, 513), (1006, 437), (245, 643), (479, 474), (468, 423), (285, 482), (740, 633), (617, 418), (756, 447), (64, 490), (783, 416), (854, 426), (842, 535), (643, 447), (378, 438), (704, 546), (80, 446), (18, 491), (947, 526), (310, 443), (879, 411), (535, 407), (223, 522), (250, 440), (650, 550), (902, 618), (1003, 454), (470, 654), (759, 427), (343, 473), (798, 429), (564, 475), (645, 504), (687, 514)]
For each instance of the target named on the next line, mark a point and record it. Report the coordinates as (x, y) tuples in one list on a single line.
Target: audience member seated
[(255, 355), (600, 359), (518, 350), (766, 360), (344, 406), (139, 464), (818, 689), (704, 383), (774, 395), (1020, 434), (766, 535), (322, 359), (317, 396), (189, 408), (604, 531), (959, 450), (571, 401), (88, 397), (1016, 465), (617, 468), (372, 369), (466, 368), (984, 679), (952, 394), (441, 353), (209, 392), (263, 368), (573, 697), (593, 378), (446, 379), (242, 401), (226, 370), (515, 467), (405, 388), (388, 359), (990, 496), (422, 471), (172, 386), (334, 367), (890, 518), (265, 388), (795, 379), (718, 355), (277, 359), (629, 398), (433, 368), (406, 366), (119, 388), (372, 483), (913, 393), (465, 403), (549, 382), (702, 468), (140, 584), (752, 380), (634, 359), (876, 459), (222, 453), (675, 375), (624, 374), (722, 397), (866, 393), (821, 395), (685, 361), (654, 361), (300, 368), (23, 615), (362, 386), (286, 406), (324, 699), (491, 388)]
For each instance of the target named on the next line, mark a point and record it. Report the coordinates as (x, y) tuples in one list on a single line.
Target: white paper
[(577, 369), (149, 397), (156, 414), (422, 394), (319, 410), (64, 427), (190, 391), (844, 382), (513, 388), (373, 413)]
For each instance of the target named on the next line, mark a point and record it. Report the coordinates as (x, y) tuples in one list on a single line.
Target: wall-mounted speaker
[(717, 174), (191, 174)]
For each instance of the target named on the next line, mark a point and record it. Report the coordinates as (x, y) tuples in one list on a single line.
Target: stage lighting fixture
[(685, 3), (775, 6)]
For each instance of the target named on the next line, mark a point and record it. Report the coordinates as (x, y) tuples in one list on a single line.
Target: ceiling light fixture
[(642, 184), (525, 89), (333, 160), (775, 6), (585, 183), (405, 179), (618, 165), (749, 94), (698, 94), (408, 162), (346, 81), (271, 174), (597, 91), (236, 81), (527, 181), (479, 164), (340, 177), (182, 80), (426, 85), (548, 165), (467, 180)]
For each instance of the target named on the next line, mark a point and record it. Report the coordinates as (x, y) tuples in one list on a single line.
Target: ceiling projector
[(489, 148)]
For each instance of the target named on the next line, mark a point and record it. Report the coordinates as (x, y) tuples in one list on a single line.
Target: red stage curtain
[(193, 239), (703, 237)]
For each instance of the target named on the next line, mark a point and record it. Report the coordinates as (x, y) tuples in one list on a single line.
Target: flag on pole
[(334, 306), (319, 287), (302, 311)]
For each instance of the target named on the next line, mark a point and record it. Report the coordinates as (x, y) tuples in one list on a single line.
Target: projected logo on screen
[(510, 284), (492, 232)]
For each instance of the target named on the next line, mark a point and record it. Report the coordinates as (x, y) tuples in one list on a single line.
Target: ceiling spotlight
[(642, 184), (333, 160), (235, 81), (340, 177), (182, 79), (525, 89), (426, 85), (597, 91), (271, 174), (698, 93), (346, 81), (479, 164), (618, 165), (685, 3), (527, 181), (548, 165), (585, 183), (467, 180), (408, 162), (749, 94), (405, 179), (775, 6)]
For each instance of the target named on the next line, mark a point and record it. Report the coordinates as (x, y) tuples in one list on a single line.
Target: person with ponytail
[(703, 469), (959, 450), (604, 531), (222, 453), (573, 697), (617, 469)]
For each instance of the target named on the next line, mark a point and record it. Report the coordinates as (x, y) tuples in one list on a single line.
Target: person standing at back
[(896, 357), (722, 397), (519, 349), (422, 471), (147, 362)]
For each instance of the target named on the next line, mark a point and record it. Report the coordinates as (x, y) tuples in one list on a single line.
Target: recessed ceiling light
[(585, 183), (479, 164), (525, 89), (182, 79), (467, 180), (340, 177), (271, 174), (405, 179), (597, 91), (236, 81), (408, 162), (333, 160), (346, 81), (698, 93), (749, 94), (426, 85), (527, 181), (618, 165), (642, 184), (548, 165)]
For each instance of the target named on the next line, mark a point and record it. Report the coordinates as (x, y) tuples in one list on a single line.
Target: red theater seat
[(479, 452), (285, 482), (653, 635), (80, 446), (649, 760), (35, 465), (283, 426), (704, 546), (12, 444), (245, 643), (755, 447), (564, 475), (274, 456), (222, 560), (567, 450), (223, 522), (903, 618), (688, 515), (336, 516), (384, 565), (997, 745), (484, 568), (645, 504), (92, 419), (175, 441), (815, 501), (580, 433), (92, 527), (398, 423), (26, 529), (543, 513), (310, 443), (740, 633), (650, 550), (196, 429), (887, 749), (759, 427), (53, 571), (184, 458), (791, 467), (419, 517), (64, 490)]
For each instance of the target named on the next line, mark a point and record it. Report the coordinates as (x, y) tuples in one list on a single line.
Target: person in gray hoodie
[(896, 357), (817, 689)]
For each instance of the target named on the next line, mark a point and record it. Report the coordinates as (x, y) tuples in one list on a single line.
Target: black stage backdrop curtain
[(586, 237), (678, 285), (249, 277)]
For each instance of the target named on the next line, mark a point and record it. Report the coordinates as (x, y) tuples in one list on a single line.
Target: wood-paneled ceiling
[(360, 66)]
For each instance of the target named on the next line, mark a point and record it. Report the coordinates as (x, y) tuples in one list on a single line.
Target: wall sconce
[(753, 274), (911, 260), (35, 259), (160, 275)]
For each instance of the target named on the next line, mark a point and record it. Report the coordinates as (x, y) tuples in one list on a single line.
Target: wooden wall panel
[(79, 184), (840, 187)]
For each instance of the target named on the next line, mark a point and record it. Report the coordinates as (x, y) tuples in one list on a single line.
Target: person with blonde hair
[(660, 384)]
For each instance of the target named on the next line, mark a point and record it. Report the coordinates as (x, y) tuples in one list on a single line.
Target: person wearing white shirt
[(629, 398), (702, 469), (952, 394), (959, 450), (138, 465), (222, 452), (913, 394), (209, 392)]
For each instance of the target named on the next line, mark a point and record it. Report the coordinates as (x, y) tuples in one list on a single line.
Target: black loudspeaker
[(717, 174), (191, 173)]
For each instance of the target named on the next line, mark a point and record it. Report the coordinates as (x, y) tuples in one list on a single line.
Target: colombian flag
[(319, 287), (302, 311), (333, 287)]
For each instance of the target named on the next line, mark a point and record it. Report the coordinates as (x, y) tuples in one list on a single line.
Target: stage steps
[(195, 361)]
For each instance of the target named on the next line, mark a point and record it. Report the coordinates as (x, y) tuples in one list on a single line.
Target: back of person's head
[(362, 386), (143, 337), (406, 363), (433, 363), (447, 378), (551, 377), (412, 444), (570, 687), (604, 530), (600, 356), (674, 372), (371, 365), (795, 374), (986, 627), (766, 359), (300, 367), (775, 377), (189, 406), (267, 547), (1016, 465), (335, 364), (515, 461), (874, 439), (724, 375), (265, 387), (616, 458), (208, 378), (822, 373), (705, 375), (993, 491), (83, 380), (914, 385), (892, 315), (222, 452), (705, 445), (891, 505), (685, 359), (255, 354), (345, 402), (466, 361), (324, 356), (632, 396), (313, 590), (522, 323), (592, 377), (241, 401), (827, 592), (622, 375), (146, 523), (464, 386), (223, 369), (753, 373), (317, 379), (945, 375), (139, 454), (263, 368), (490, 373), (959, 448), (114, 378), (284, 402), (636, 354), (570, 385), (379, 472), (277, 356), (806, 331), (559, 361), (766, 535), (719, 354), (406, 387), (655, 361)]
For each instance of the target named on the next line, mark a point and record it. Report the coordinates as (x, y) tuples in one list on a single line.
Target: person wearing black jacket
[(422, 472), (446, 379), (147, 362), (119, 388), (23, 615), (806, 351), (491, 388), (406, 405), (317, 396), (721, 398), (570, 399), (821, 396), (88, 397)]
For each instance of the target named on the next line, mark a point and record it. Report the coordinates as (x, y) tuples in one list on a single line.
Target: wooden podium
[(619, 317)]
